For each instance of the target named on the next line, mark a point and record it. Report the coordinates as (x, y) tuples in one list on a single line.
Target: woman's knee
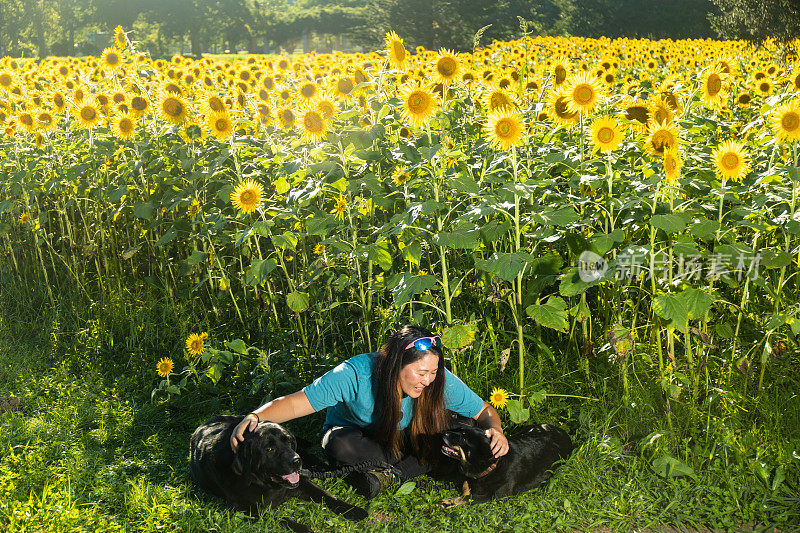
[(350, 446)]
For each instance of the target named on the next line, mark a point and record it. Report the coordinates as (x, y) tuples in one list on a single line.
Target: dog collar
[(487, 471)]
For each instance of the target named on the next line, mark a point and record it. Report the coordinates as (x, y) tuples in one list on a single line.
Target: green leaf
[(672, 309), (287, 241), (459, 240), (405, 488), (412, 252), (281, 185), (409, 285), (459, 336), (297, 301), (517, 413), (671, 223), (780, 475), (214, 373), (144, 210), (559, 217), (552, 314), (771, 258), (319, 225), (505, 265), (238, 346), (259, 271), (379, 253), (464, 183), (168, 235), (538, 397), (705, 230), (697, 302), (666, 466)]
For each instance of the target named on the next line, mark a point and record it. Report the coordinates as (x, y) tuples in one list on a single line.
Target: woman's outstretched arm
[(489, 420), (279, 410)]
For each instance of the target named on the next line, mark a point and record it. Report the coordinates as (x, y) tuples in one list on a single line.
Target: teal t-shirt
[(347, 392)]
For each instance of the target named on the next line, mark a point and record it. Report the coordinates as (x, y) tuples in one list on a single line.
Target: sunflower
[(164, 366), (559, 111), (246, 197), (400, 175), (123, 125), (672, 163), (23, 218), (731, 160), (88, 114), (308, 91), (286, 117), (662, 137), (497, 98), (498, 398), (785, 121), (193, 208), (560, 69), (6, 80), (325, 105), (505, 128), (395, 50), (26, 120), (339, 208), (582, 92), (764, 87), (46, 121), (194, 343), (419, 104), (448, 68), (111, 59), (659, 110), (744, 99), (220, 125), (139, 105), (606, 134), (312, 125), (214, 104), (172, 107), (637, 113), (714, 89), (343, 87), (120, 38)]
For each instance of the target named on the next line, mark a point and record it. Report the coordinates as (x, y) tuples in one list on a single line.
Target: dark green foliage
[(757, 19)]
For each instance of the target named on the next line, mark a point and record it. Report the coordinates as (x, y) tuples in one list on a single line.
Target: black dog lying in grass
[(265, 470), (528, 463)]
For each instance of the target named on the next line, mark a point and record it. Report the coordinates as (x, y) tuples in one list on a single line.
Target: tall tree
[(757, 19)]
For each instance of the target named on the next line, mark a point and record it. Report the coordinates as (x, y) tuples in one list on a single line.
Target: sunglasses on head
[(425, 343)]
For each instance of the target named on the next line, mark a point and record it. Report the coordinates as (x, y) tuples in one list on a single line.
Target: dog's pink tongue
[(294, 477)]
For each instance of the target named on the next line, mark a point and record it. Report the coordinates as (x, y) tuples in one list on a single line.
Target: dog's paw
[(449, 503)]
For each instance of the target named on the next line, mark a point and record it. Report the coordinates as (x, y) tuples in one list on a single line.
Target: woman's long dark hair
[(429, 418)]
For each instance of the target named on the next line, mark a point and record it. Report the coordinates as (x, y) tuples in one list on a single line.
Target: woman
[(385, 407)]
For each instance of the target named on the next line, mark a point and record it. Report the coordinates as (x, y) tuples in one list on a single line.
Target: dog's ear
[(241, 458)]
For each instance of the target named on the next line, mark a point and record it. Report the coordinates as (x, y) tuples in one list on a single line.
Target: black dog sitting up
[(264, 471), (528, 463)]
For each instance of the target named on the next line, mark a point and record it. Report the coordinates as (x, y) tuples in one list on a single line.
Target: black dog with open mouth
[(265, 470), (528, 463)]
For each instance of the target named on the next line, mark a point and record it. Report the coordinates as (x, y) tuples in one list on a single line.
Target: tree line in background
[(79, 27)]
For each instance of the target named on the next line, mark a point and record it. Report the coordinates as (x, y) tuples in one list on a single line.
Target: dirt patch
[(12, 403)]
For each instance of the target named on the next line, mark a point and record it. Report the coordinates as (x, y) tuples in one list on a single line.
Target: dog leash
[(338, 472)]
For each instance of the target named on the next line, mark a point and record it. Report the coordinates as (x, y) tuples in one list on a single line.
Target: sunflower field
[(584, 221)]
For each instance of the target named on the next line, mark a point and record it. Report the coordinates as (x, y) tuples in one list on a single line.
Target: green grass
[(90, 452)]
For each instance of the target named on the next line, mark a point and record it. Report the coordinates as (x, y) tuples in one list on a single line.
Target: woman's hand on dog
[(248, 423), (499, 442)]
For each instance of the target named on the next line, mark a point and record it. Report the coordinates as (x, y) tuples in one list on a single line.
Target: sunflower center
[(221, 124), (790, 121), (729, 161), (247, 196), (561, 74), (447, 67), (764, 87), (562, 110), (744, 99), (173, 107), (26, 119), (312, 122), (605, 135), (125, 125), (417, 102), (670, 165), (344, 86), (583, 94), (308, 90), (637, 113), (661, 115), (499, 99), (287, 116), (112, 59), (138, 103), (661, 139), (399, 51), (5, 80), (714, 85), (216, 104), (88, 113), (504, 128)]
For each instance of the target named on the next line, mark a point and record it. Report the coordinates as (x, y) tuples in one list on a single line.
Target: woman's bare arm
[(279, 410)]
